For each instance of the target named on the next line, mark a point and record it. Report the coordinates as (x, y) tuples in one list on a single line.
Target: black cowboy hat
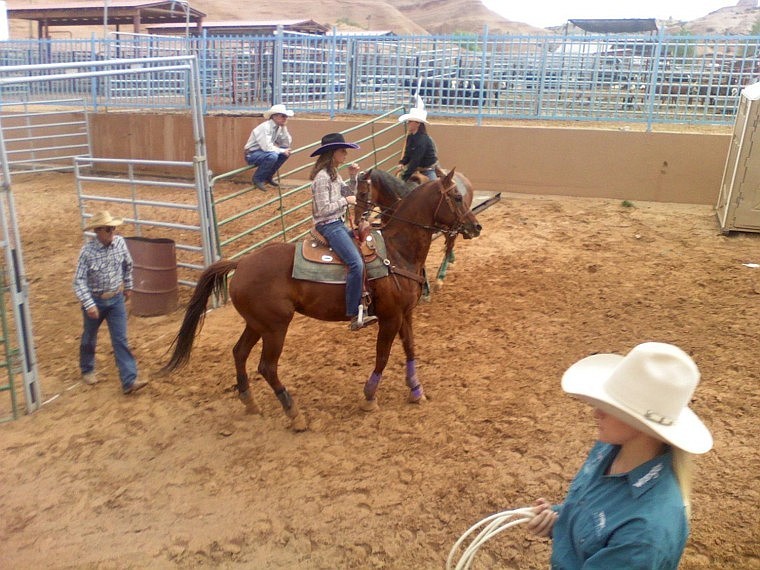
[(333, 141)]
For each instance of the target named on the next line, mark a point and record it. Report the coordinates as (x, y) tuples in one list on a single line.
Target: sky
[(545, 13)]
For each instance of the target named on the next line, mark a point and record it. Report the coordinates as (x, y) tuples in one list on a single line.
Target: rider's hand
[(351, 200), (543, 522)]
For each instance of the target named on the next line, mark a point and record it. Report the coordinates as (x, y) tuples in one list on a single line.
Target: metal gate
[(154, 71), (738, 205), (46, 137)]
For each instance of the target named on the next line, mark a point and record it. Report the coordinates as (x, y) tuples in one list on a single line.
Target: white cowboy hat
[(101, 219), (414, 114), (649, 389), (278, 109)]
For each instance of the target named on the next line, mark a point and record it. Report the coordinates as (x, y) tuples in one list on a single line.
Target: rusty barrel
[(155, 290)]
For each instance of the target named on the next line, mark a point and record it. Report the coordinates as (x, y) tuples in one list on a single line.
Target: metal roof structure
[(136, 13), (617, 26), (242, 27)]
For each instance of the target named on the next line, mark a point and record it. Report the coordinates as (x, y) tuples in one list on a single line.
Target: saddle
[(315, 261), (316, 249)]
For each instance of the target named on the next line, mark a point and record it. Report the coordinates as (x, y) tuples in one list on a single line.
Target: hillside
[(405, 17)]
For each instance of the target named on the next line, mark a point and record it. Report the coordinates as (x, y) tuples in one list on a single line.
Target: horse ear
[(446, 182)]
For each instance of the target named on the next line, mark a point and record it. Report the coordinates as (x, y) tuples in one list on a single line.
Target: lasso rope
[(495, 524)]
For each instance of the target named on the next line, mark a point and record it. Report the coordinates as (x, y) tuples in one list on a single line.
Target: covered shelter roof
[(136, 13), (242, 27), (617, 26)]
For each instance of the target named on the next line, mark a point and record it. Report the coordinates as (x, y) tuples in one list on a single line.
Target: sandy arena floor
[(179, 477)]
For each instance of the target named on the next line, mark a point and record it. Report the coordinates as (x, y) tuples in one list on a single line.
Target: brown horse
[(267, 296), (381, 189)]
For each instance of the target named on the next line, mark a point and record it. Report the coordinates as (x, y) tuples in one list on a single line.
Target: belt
[(107, 294)]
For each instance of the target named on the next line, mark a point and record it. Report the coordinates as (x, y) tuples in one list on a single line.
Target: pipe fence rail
[(243, 225), (616, 78)]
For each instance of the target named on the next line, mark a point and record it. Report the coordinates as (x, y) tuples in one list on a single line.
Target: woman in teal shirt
[(628, 506)]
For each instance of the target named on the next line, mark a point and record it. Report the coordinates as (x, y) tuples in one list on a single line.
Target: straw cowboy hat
[(333, 141), (101, 219), (649, 389), (278, 109), (414, 114)]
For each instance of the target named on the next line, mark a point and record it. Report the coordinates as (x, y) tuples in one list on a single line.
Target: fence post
[(277, 67), (482, 74), (653, 79), (331, 73)]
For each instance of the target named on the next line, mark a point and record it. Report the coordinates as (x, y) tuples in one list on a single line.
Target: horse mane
[(388, 181)]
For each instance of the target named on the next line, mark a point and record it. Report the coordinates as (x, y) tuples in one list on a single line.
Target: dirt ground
[(178, 476)]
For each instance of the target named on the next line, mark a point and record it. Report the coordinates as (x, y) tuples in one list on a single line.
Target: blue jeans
[(267, 162), (342, 242), (114, 312), (430, 173)]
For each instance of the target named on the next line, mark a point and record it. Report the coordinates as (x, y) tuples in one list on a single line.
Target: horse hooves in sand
[(412, 399), (298, 423), (251, 407), (369, 405)]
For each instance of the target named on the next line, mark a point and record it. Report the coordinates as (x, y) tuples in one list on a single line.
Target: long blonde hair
[(683, 467)]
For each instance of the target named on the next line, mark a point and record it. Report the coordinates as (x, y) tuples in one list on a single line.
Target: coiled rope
[(495, 524)]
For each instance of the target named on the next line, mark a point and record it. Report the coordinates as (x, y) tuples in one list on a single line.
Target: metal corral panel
[(738, 205)]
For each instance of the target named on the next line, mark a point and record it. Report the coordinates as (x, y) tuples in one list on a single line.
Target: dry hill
[(406, 17)]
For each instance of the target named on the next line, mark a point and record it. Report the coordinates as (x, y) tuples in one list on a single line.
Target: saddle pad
[(334, 273)]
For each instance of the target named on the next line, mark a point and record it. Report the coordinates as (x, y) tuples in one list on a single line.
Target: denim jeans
[(114, 312), (430, 173), (339, 237), (267, 163)]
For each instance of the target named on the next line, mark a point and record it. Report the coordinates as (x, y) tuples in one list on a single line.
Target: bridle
[(455, 228)]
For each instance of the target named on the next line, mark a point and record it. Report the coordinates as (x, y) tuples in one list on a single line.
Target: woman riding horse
[(267, 296)]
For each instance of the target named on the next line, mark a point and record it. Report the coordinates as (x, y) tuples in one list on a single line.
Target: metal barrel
[(155, 289)]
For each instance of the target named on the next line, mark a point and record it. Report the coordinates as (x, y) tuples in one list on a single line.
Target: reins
[(389, 211)]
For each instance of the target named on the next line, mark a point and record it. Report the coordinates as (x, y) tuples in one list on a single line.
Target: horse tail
[(212, 280)]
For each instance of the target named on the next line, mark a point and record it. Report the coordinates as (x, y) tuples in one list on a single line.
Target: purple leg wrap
[(370, 388), (411, 379)]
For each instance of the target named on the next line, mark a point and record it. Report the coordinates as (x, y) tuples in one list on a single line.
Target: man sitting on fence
[(268, 146)]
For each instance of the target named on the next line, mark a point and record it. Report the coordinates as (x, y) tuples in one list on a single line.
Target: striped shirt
[(101, 269), (329, 197)]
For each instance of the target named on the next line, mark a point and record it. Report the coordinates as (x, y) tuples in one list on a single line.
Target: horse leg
[(270, 356), (386, 333), (416, 393), (448, 259), (240, 353)]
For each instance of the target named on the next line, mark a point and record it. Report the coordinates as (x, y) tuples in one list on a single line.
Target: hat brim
[(287, 113), (112, 223), (586, 378), (408, 117), (332, 146)]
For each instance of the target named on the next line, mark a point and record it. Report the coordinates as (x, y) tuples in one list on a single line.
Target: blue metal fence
[(621, 78)]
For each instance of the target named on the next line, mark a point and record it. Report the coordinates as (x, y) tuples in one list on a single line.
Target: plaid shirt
[(101, 269), (329, 197)]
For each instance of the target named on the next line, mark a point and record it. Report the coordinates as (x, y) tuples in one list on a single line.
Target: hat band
[(658, 418)]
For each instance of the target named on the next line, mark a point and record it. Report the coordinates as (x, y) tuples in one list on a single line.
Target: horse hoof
[(438, 285), (369, 405), (249, 403), (299, 423), (421, 399)]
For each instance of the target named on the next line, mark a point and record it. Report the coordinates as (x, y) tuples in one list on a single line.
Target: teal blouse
[(635, 520)]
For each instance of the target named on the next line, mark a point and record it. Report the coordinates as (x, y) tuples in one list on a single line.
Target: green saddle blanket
[(332, 273)]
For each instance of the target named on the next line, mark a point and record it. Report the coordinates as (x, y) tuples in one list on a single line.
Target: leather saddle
[(316, 249)]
